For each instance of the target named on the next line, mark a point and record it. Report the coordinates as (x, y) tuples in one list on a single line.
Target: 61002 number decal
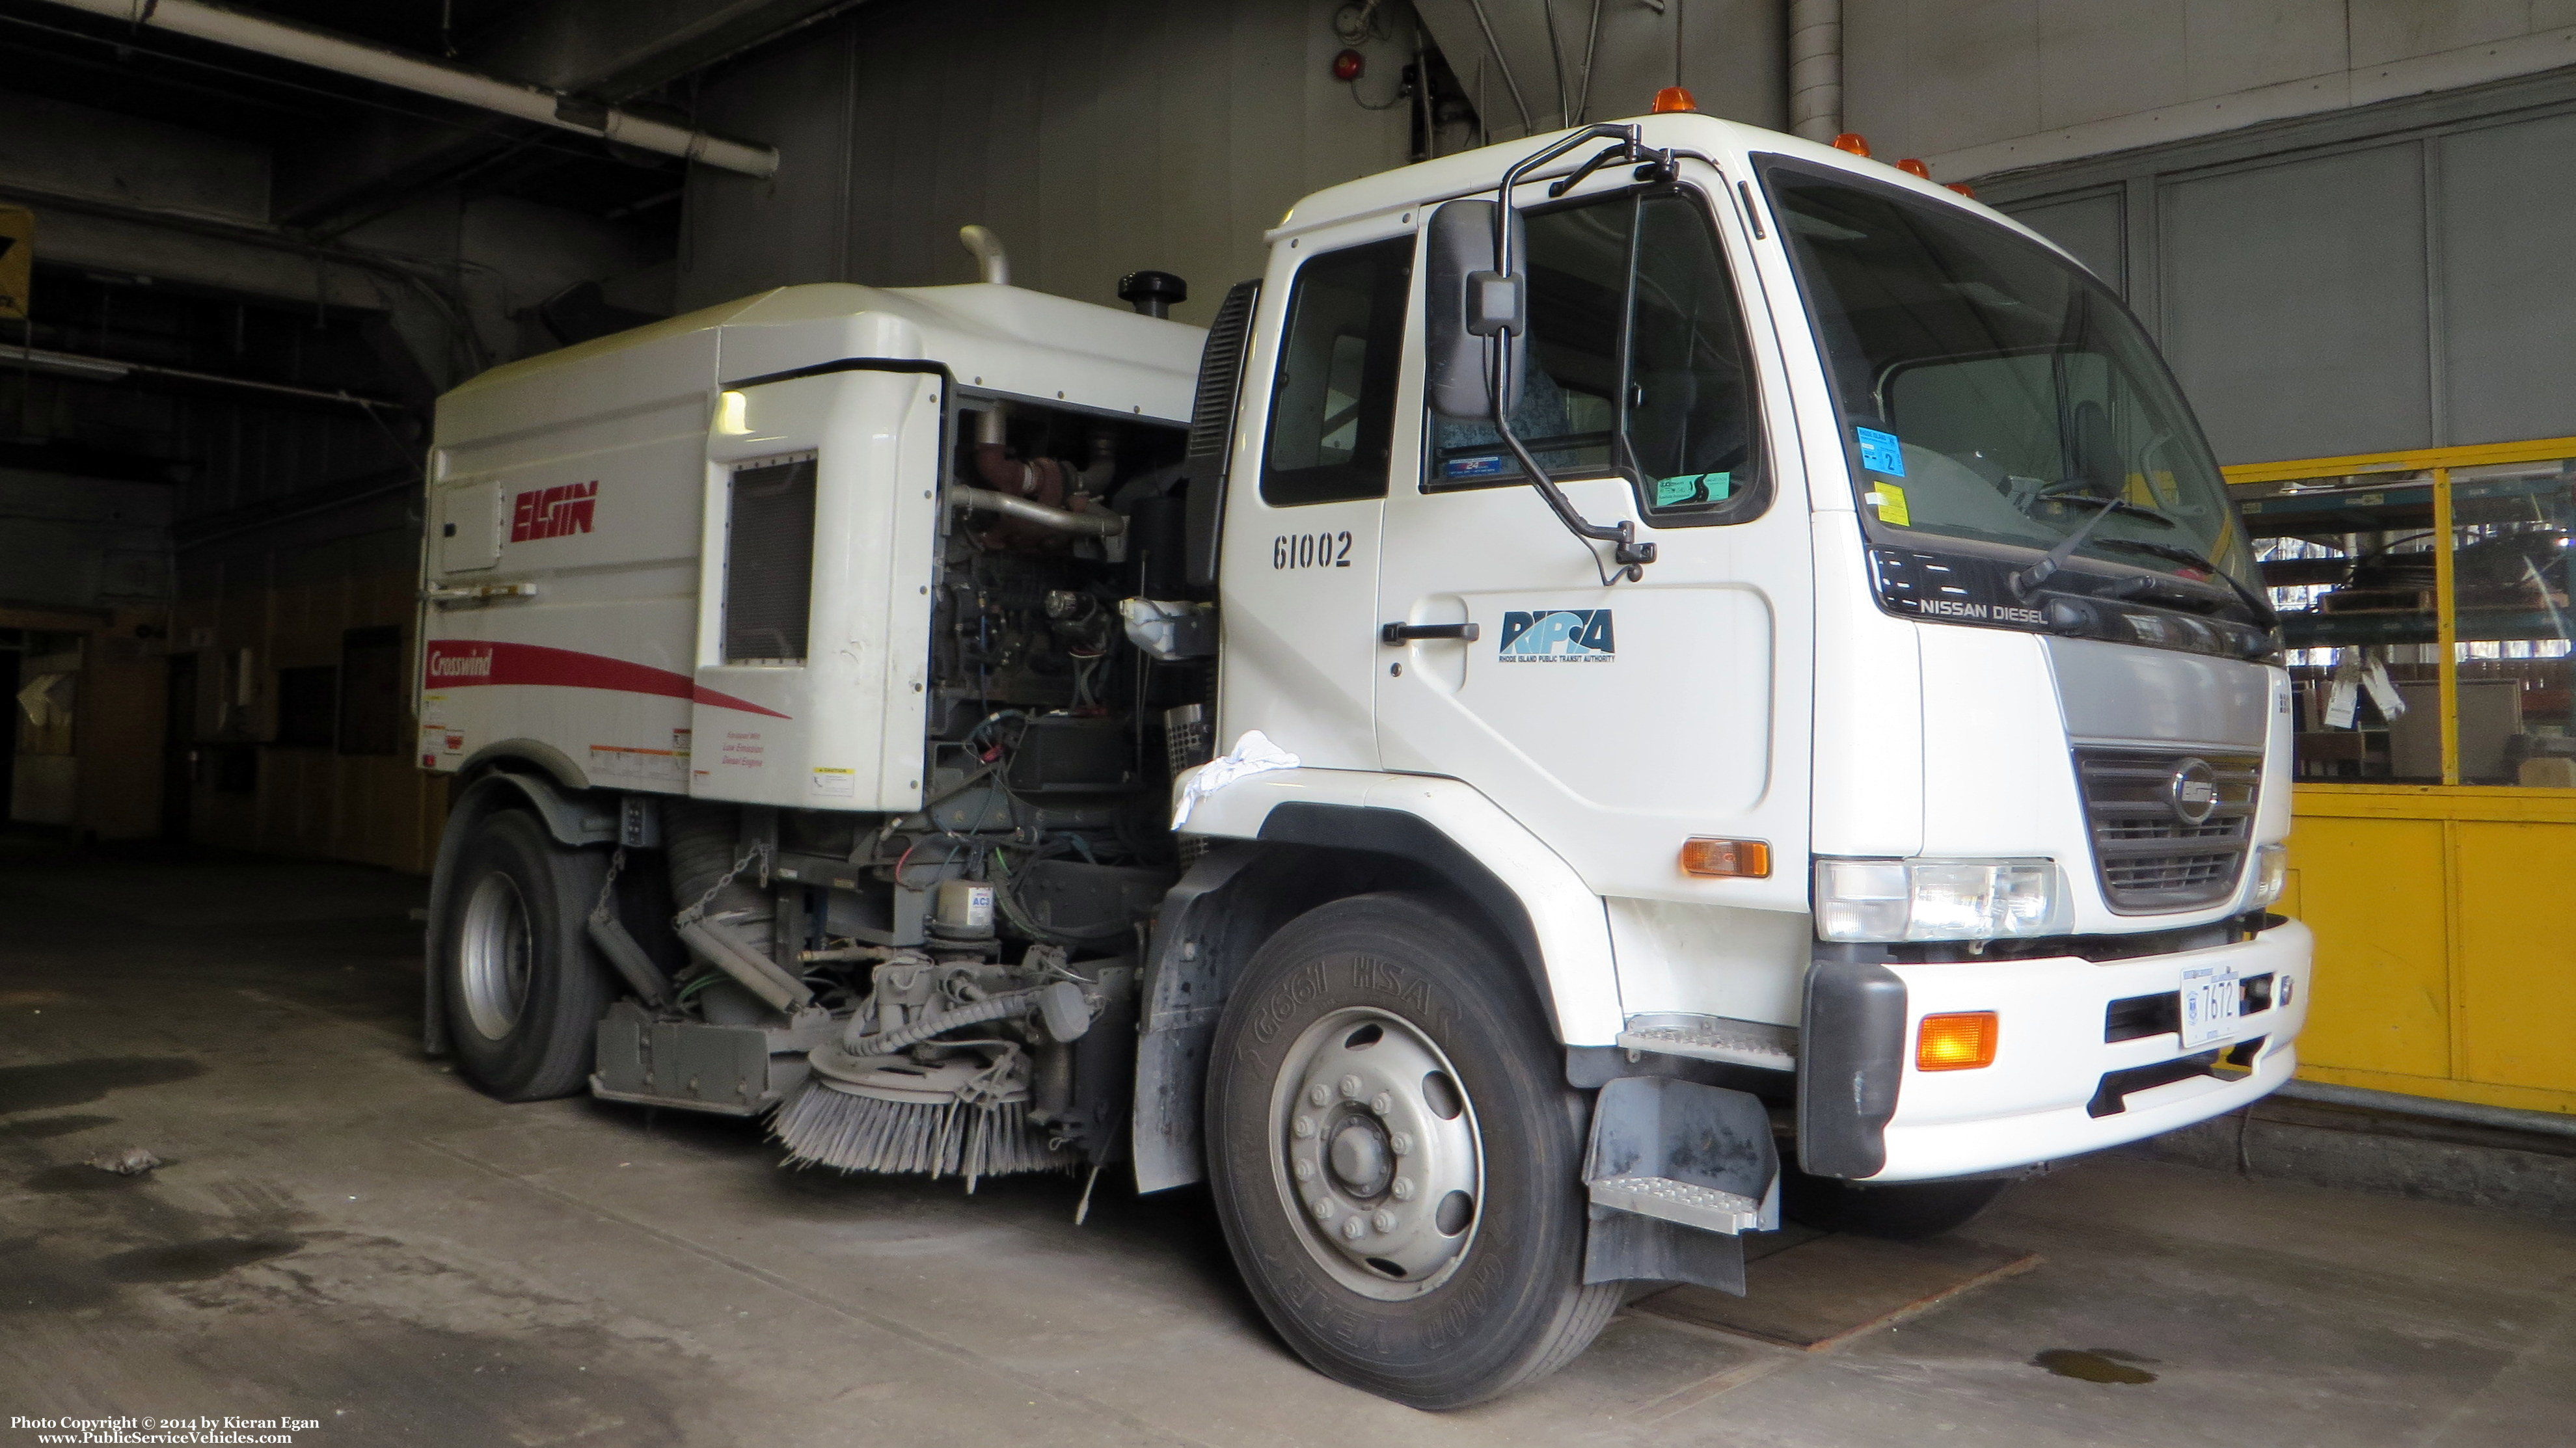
[(1311, 550)]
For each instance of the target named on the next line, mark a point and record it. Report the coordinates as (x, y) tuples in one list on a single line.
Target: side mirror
[(1470, 305)]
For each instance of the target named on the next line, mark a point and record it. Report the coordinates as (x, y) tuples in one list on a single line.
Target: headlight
[(1937, 899), (2271, 874)]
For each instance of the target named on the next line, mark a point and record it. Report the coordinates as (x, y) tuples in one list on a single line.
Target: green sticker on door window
[(1693, 488)]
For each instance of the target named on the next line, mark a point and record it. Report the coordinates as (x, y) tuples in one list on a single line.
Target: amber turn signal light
[(1960, 1041), (1727, 859), (1672, 99), (1912, 167), (1963, 188), (1853, 142)]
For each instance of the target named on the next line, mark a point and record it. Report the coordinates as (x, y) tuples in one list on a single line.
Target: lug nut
[(1305, 1127), (1351, 1087), (1352, 1228), (1323, 1209), (1403, 1187), (1318, 1095), (1401, 1143), (1383, 1221), (1383, 1104), (1304, 1169)]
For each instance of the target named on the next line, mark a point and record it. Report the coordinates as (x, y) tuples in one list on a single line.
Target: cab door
[(1617, 720), (1299, 570)]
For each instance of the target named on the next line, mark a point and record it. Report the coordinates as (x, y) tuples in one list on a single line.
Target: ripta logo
[(1558, 636), (552, 512)]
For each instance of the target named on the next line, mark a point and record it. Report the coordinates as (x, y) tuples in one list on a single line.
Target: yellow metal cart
[(2426, 609)]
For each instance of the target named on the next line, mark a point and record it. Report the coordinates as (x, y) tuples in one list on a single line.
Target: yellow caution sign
[(17, 259)]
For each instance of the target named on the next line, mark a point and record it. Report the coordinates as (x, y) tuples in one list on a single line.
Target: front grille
[(2150, 858)]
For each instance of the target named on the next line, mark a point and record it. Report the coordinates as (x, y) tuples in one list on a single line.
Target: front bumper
[(2037, 1102)]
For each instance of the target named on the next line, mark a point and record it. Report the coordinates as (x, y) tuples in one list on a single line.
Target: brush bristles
[(824, 1127)]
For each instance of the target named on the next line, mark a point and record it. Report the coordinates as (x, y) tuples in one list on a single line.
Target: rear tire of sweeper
[(524, 987), (1430, 1051)]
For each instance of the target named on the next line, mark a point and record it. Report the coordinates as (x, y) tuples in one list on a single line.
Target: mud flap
[(1677, 1171)]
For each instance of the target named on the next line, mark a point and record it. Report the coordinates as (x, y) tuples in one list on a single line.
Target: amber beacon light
[(1727, 859), (1672, 99), (1959, 1041)]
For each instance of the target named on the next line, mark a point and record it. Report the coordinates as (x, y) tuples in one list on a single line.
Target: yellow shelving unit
[(2444, 905)]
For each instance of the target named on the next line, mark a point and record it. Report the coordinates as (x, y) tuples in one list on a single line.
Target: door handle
[(1405, 633)]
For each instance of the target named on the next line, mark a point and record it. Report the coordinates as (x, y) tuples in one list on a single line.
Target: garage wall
[(1096, 137), (1980, 87), (2375, 280)]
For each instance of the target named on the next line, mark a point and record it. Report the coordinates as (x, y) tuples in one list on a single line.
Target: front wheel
[(1397, 1159), (524, 991)]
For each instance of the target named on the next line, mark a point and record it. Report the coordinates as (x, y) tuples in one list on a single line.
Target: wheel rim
[(1375, 1153), (493, 952)]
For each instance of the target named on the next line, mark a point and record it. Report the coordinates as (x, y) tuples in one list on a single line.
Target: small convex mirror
[(1469, 306)]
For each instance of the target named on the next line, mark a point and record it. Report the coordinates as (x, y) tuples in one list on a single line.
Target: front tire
[(523, 989), (1397, 1159)]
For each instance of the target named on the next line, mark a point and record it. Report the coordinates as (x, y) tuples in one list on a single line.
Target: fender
[(575, 821), (1288, 841), (1469, 841)]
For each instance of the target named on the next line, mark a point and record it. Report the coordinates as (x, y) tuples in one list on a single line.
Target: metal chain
[(698, 911), (600, 909)]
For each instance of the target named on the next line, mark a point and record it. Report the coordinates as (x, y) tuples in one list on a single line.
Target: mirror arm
[(1631, 555)]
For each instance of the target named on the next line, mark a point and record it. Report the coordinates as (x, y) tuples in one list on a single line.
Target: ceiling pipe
[(1816, 69), (385, 67)]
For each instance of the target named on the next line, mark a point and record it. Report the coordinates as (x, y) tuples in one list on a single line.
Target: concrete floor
[(345, 1232)]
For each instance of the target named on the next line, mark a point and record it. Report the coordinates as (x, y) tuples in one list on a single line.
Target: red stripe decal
[(455, 664)]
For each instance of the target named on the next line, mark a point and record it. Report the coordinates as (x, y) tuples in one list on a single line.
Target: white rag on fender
[(1253, 754)]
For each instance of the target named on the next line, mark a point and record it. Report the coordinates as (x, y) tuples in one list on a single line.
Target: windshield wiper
[(2256, 603), (2047, 568)]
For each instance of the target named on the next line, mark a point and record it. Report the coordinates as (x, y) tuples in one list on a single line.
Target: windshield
[(1997, 393)]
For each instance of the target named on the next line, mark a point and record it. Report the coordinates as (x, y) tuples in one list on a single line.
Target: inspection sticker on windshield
[(1889, 499), (1880, 452), (2210, 995)]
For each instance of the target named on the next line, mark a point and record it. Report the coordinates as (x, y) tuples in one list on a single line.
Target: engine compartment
[(952, 989)]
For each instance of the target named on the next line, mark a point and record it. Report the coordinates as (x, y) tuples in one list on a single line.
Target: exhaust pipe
[(1063, 520), (987, 247)]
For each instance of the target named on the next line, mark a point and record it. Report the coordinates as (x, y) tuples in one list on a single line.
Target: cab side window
[(1638, 366), (1332, 406)]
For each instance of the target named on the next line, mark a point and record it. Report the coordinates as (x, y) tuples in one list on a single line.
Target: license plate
[(2209, 1000)]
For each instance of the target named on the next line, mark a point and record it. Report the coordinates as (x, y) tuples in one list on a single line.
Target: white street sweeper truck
[(1632, 675)]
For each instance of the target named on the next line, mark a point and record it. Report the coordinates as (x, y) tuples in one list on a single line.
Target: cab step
[(1707, 1208), (1758, 1044)]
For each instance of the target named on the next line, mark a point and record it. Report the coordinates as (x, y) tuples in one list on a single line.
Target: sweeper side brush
[(961, 1117)]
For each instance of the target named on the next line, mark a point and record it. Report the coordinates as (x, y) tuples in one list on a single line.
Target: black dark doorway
[(179, 748)]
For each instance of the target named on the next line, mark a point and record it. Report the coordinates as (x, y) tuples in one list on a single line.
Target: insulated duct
[(1816, 69), (386, 67)]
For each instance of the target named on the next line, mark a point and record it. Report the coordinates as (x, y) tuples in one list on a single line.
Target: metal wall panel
[(2092, 227), (2507, 273), (1096, 137), (2295, 300)]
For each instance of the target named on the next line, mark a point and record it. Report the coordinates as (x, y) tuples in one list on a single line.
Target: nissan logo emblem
[(2193, 791)]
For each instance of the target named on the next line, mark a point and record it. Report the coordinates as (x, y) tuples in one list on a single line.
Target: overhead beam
[(509, 98)]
